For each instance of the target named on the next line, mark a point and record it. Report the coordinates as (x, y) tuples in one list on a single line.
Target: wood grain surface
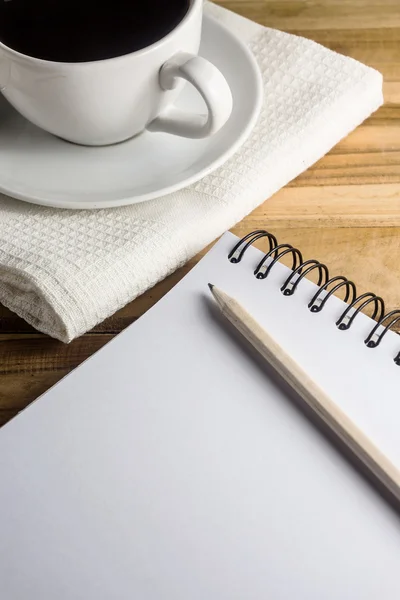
[(345, 210)]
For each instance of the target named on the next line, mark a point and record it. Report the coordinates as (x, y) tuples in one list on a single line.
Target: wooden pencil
[(316, 399)]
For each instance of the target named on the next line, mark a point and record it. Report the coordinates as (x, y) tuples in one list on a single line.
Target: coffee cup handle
[(211, 85)]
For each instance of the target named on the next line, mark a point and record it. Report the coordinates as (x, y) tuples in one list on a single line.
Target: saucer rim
[(123, 200)]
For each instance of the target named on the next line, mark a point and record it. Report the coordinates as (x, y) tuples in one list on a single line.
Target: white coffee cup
[(108, 101)]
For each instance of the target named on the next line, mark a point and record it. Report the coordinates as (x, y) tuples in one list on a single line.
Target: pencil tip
[(211, 286)]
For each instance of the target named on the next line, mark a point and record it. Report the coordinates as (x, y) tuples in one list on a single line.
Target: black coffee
[(86, 30)]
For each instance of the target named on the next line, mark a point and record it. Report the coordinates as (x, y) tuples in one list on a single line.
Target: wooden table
[(345, 210)]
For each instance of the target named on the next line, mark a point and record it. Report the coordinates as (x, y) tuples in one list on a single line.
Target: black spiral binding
[(327, 286)]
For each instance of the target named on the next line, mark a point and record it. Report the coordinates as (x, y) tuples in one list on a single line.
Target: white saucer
[(39, 168)]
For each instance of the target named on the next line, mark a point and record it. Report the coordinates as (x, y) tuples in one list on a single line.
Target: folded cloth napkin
[(65, 271)]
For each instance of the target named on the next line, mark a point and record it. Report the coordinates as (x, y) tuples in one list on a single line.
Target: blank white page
[(172, 466)]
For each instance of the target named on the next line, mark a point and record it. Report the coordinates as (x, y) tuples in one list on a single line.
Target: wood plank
[(299, 15), (39, 353), (31, 364), (361, 206), (7, 415), (26, 387)]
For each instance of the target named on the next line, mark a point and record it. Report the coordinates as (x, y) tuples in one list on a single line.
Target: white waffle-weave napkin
[(65, 271)]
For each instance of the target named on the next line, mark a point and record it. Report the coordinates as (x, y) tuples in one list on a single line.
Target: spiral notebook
[(173, 466)]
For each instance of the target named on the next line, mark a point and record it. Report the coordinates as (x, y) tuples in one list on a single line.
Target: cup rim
[(194, 5)]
